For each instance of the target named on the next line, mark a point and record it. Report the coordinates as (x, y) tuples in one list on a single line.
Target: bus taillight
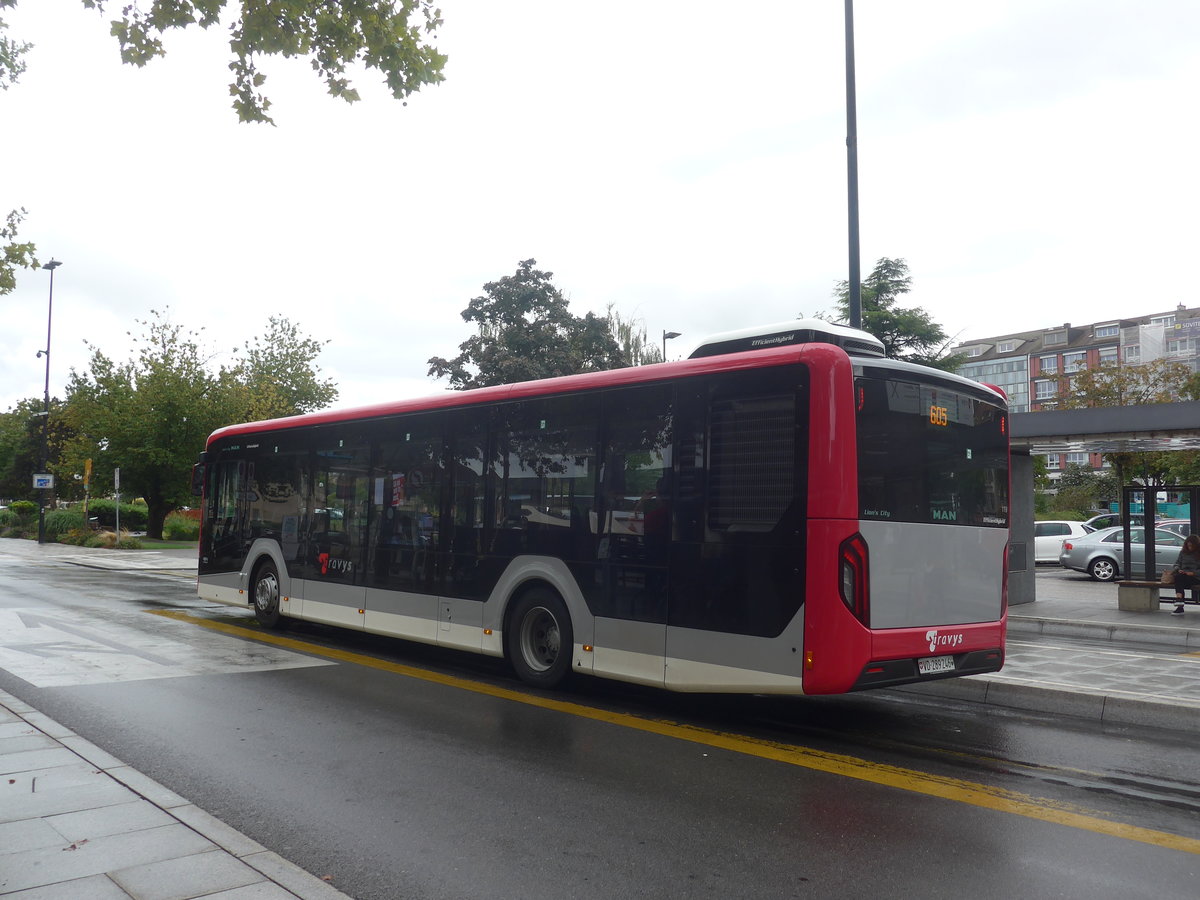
[(852, 580)]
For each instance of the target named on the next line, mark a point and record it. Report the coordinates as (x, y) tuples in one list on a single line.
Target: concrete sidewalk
[(77, 823), (1072, 652)]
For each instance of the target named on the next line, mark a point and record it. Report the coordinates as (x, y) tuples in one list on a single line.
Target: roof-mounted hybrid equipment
[(798, 331)]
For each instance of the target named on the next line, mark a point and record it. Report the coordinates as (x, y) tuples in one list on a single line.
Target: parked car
[(1048, 537), (1182, 527), (1111, 520), (1102, 553)]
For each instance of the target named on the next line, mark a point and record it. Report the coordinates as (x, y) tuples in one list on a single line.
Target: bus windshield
[(930, 452)]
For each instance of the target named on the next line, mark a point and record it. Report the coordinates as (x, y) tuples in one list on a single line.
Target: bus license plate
[(929, 665)]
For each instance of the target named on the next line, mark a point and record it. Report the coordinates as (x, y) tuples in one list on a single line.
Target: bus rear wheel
[(539, 638), (265, 590)]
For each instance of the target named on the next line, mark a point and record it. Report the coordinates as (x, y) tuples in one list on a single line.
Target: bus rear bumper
[(891, 672)]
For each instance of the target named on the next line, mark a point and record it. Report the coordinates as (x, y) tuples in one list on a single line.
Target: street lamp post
[(854, 282), (667, 335), (52, 265)]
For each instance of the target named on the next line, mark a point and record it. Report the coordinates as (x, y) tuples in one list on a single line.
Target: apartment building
[(1029, 365)]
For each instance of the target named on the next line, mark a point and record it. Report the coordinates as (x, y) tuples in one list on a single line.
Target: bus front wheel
[(265, 591), (539, 638)]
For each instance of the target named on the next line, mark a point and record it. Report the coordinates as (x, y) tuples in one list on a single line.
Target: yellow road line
[(911, 780)]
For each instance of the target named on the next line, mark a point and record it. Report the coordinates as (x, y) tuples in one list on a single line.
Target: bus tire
[(539, 638), (264, 590)]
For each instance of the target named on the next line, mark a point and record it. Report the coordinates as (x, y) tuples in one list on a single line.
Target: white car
[(1049, 536)]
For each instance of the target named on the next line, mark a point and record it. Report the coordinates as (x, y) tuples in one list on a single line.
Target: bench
[(1144, 596)]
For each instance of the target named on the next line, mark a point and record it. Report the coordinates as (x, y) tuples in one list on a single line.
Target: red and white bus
[(805, 516)]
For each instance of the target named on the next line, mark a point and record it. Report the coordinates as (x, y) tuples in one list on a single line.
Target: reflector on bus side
[(1004, 582)]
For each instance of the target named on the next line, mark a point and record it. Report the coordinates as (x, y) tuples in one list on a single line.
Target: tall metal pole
[(52, 265), (855, 280)]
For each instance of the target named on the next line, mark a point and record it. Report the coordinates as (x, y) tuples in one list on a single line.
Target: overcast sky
[(1034, 161)]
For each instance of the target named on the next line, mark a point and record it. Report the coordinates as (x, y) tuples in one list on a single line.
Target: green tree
[(148, 416), (630, 335), (1154, 468), (525, 333), (21, 447), (394, 37), (13, 254), (151, 415), (11, 53), (391, 36), (907, 333), (1079, 476), (1081, 488), (277, 374), (1160, 381)]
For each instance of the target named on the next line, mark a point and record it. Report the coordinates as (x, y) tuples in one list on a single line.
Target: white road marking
[(125, 560), (53, 648)]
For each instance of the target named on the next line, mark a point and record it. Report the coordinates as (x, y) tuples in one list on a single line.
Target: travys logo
[(944, 641)]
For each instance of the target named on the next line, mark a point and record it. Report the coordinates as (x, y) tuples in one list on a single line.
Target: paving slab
[(77, 828)]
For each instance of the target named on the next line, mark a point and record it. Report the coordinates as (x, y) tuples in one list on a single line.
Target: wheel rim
[(1103, 570), (539, 639), (266, 593)]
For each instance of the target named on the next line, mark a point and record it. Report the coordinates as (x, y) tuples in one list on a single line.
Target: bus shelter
[(1139, 494), (1111, 429)]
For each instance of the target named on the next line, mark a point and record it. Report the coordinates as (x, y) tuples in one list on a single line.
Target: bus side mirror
[(198, 479)]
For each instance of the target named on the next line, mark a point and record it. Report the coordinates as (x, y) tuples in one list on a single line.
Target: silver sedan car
[(1102, 553)]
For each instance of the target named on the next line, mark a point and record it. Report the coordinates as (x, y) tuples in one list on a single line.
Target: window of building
[(1103, 331), (974, 351), (1052, 461), (1181, 346), (1108, 356), (1044, 390), (1056, 337), (1163, 320), (1078, 459), (1133, 353), (1006, 347), (1048, 364), (1073, 362)]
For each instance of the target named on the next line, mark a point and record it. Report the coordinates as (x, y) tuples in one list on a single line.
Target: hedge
[(134, 516)]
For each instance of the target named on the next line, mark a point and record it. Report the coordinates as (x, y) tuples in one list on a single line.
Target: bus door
[(406, 488), (738, 555), (224, 542), (633, 519), (461, 575), (335, 560)]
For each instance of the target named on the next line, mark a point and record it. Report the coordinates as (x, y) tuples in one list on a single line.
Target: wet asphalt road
[(403, 771)]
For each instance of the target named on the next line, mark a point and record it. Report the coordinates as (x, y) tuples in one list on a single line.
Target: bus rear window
[(928, 453)]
